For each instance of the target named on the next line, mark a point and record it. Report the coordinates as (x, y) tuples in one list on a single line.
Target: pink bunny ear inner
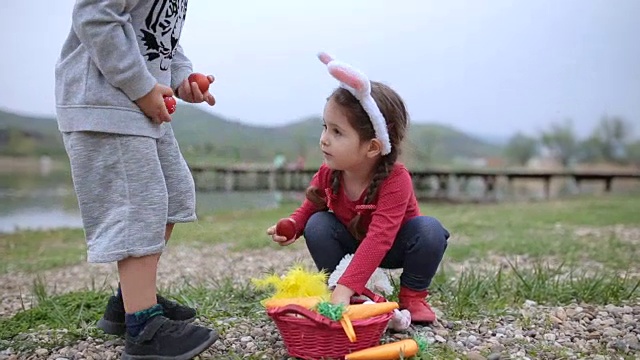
[(325, 58), (347, 77)]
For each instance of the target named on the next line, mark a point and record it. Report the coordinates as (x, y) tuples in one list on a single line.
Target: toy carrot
[(348, 327), (367, 310), (306, 302), (391, 351), (337, 312)]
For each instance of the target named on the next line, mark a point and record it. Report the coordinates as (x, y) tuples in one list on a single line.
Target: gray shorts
[(128, 189)]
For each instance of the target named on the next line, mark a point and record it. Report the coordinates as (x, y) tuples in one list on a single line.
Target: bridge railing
[(440, 181)]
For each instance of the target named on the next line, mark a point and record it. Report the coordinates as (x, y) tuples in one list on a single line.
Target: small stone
[(473, 355), (621, 346), (555, 320), (594, 335), (632, 341), (42, 352), (611, 332), (494, 356)]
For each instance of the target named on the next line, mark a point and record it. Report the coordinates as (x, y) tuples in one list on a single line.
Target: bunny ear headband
[(359, 85)]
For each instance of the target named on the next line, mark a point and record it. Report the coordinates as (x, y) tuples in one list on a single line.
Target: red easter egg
[(286, 227), (170, 103), (201, 80)]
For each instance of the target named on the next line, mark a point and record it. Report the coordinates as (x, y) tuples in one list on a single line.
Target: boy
[(119, 61)]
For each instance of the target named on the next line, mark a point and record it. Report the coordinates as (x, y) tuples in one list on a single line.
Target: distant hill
[(204, 137), (27, 135)]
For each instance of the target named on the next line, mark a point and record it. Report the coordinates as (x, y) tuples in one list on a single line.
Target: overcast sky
[(488, 67)]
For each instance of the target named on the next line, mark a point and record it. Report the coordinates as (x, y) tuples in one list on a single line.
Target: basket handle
[(315, 316), (300, 310), (373, 296)]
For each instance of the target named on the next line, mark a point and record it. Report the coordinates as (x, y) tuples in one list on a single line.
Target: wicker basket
[(309, 335)]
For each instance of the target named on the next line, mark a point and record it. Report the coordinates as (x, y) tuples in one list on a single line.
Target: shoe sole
[(213, 336), (114, 328)]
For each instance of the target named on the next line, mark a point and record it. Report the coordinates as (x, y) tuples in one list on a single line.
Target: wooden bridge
[(439, 182)]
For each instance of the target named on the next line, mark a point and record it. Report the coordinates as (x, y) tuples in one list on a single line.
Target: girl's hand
[(190, 92), (341, 295), (281, 240)]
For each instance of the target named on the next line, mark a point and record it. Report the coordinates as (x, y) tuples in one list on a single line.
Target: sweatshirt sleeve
[(302, 214), (104, 29), (386, 220), (181, 68)]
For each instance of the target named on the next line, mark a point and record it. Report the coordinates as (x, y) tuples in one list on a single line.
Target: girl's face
[(340, 144)]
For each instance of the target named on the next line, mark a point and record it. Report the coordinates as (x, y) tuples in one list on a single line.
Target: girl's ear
[(375, 148)]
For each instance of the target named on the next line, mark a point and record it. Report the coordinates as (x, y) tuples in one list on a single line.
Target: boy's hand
[(281, 240), (153, 105), (190, 92)]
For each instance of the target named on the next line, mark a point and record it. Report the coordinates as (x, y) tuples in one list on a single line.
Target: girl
[(361, 200)]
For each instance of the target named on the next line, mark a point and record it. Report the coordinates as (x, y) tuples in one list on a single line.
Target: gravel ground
[(575, 331)]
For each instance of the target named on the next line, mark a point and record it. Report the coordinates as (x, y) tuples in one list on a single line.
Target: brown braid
[(335, 181), (318, 197)]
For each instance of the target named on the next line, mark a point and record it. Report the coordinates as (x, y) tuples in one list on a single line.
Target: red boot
[(416, 303)]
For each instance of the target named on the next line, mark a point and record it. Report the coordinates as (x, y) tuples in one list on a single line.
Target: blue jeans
[(418, 248)]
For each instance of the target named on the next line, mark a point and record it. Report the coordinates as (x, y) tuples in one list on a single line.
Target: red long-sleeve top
[(395, 204)]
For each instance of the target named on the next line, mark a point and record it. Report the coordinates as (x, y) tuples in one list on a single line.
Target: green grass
[(40, 250), (540, 230), (544, 231), (468, 295), (471, 293)]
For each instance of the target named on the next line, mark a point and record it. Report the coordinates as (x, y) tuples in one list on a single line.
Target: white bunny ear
[(351, 77), (325, 58), (359, 85)]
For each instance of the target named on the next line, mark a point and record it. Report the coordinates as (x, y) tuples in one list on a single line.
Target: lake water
[(38, 201)]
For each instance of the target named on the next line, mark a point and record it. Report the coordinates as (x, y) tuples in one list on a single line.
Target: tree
[(560, 140), (633, 152), (610, 138), (520, 149)]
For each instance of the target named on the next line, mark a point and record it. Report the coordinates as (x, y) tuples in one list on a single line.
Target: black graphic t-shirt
[(161, 30)]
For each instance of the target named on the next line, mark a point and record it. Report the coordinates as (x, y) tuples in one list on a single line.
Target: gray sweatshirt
[(115, 53)]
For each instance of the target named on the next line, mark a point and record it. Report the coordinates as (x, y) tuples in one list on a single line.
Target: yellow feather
[(296, 283)]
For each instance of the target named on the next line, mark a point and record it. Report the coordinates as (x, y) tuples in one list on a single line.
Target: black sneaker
[(112, 321), (163, 338)]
